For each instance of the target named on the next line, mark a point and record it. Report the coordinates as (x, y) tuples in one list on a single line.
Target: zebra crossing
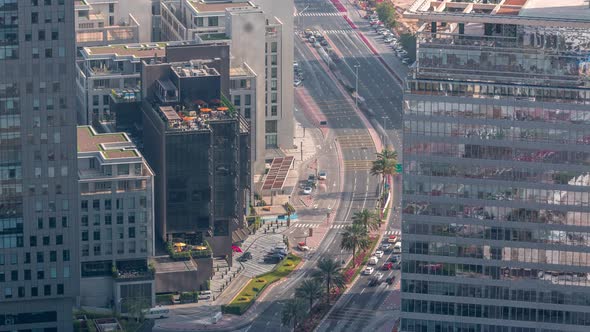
[(341, 31), (317, 14), (341, 226)]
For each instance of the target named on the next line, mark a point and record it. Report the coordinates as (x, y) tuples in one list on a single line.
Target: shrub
[(164, 299), (256, 289)]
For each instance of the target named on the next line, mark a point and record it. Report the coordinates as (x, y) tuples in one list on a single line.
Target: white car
[(373, 260), (205, 295), (368, 271), (297, 83), (378, 253), (322, 175), (307, 191), (385, 246)]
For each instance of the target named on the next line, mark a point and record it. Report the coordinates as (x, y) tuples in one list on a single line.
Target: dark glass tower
[(39, 266)]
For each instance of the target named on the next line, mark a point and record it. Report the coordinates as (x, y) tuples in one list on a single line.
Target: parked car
[(368, 271), (378, 254), (395, 258), (297, 83), (387, 266), (324, 42), (397, 248), (392, 239), (322, 175), (302, 246), (405, 61), (245, 257), (205, 295), (272, 259), (390, 280), (311, 39), (307, 190), (385, 246)]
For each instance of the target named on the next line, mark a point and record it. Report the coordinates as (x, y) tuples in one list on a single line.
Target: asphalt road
[(359, 188), (362, 308)]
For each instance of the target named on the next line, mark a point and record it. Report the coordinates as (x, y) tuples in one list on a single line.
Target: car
[(324, 42), (376, 280), (390, 280), (397, 248), (272, 259), (311, 39), (378, 253), (405, 61), (245, 257), (373, 260), (387, 40), (279, 251), (302, 246), (392, 239), (307, 190), (308, 33), (385, 246), (297, 83), (318, 34), (387, 266), (205, 295), (322, 175), (368, 271), (395, 258), (317, 45)]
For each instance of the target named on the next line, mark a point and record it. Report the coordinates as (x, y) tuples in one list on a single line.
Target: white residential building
[(116, 221)]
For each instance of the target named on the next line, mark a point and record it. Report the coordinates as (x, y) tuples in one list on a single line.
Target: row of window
[(569, 297), (107, 204), (107, 219), (423, 325), (9, 292), (496, 312), (120, 232), (502, 233), (40, 274), (99, 249)]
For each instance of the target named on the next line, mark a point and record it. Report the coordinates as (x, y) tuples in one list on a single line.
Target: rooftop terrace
[(111, 146), (134, 50), (211, 7), (195, 118)]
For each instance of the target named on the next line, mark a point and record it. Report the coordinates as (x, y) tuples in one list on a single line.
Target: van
[(397, 248), (157, 312), (373, 260)]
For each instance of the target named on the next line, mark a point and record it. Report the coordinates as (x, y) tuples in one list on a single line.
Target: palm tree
[(367, 219), (329, 272), (385, 164), (354, 237), (310, 289), (293, 312)]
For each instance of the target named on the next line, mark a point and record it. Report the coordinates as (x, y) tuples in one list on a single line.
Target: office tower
[(261, 35), (116, 222), (39, 266), (496, 206), (195, 141)]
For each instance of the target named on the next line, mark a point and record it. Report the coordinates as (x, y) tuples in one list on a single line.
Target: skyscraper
[(39, 266), (496, 205)]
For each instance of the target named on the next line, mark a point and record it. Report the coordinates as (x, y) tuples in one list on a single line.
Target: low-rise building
[(116, 221)]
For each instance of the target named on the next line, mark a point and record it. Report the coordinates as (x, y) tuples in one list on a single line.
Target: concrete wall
[(142, 12), (96, 292), (185, 281)]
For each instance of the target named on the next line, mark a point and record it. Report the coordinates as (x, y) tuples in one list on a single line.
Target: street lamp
[(356, 85)]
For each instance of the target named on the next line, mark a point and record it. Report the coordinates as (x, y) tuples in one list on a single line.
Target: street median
[(254, 288)]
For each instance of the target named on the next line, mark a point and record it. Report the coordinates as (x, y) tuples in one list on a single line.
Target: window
[(247, 112), (107, 204), (96, 204), (66, 255), (84, 205), (273, 72), (237, 100), (46, 240), (33, 241), (52, 222), (199, 21), (40, 274), (27, 274), (53, 273), (247, 100), (14, 275), (95, 100), (273, 47), (96, 236), (53, 256), (60, 289), (41, 35), (123, 169), (39, 223), (84, 221), (108, 219), (213, 21), (8, 292), (59, 239), (34, 291), (274, 110), (271, 141), (131, 232), (84, 235), (273, 59), (271, 126), (66, 271), (49, 53), (34, 18), (64, 222), (40, 257), (47, 290), (111, 7)]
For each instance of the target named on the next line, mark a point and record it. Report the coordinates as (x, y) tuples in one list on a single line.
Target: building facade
[(39, 260), (116, 221), (199, 145), (496, 190), (259, 35)]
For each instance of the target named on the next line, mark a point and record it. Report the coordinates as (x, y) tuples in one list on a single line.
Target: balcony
[(132, 271)]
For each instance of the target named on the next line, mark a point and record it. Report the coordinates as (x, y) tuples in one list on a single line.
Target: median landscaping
[(248, 295)]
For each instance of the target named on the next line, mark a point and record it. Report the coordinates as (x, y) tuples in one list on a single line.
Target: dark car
[(324, 42), (390, 281), (272, 259), (245, 256)]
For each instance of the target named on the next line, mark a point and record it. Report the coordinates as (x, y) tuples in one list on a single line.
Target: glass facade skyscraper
[(39, 268), (496, 183)]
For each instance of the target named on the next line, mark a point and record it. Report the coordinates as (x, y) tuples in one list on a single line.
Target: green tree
[(386, 12), (329, 273), (293, 312), (367, 219), (355, 238), (310, 289), (384, 165), (135, 307)]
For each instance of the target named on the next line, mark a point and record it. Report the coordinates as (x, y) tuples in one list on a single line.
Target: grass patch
[(256, 286)]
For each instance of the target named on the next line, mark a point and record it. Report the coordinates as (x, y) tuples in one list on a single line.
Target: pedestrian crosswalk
[(308, 14), (342, 31), (339, 226)]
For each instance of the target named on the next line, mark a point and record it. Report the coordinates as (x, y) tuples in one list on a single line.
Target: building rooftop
[(80, 3), (243, 70), (111, 146), (193, 68), (195, 118), (134, 50), (210, 7), (533, 12)]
